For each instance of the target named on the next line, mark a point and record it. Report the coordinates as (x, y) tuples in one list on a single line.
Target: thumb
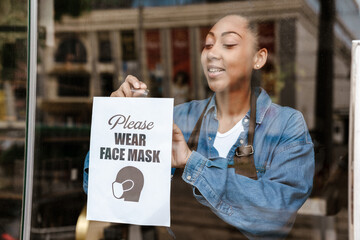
[(176, 129), (177, 134)]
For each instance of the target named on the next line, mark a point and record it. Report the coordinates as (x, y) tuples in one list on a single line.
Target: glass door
[(86, 48)]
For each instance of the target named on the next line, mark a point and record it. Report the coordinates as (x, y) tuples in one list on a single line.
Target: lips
[(214, 71)]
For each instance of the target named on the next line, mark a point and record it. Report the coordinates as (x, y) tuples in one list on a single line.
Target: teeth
[(215, 70)]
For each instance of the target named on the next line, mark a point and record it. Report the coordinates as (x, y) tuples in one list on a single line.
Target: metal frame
[(30, 119), (354, 145)]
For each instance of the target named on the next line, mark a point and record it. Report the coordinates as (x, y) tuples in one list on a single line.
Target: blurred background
[(87, 47)]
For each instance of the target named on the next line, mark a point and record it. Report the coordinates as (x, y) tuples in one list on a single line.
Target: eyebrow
[(230, 32), (225, 33)]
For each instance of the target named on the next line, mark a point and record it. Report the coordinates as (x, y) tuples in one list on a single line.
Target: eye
[(208, 45), (229, 45)]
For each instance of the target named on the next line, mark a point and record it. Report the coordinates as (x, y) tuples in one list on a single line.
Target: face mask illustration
[(120, 188), (128, 184)]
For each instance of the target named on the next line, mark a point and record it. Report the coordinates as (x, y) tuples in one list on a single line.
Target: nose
[(213, 53)]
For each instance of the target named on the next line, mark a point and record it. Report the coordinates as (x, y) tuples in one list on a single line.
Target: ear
[(260, 58)]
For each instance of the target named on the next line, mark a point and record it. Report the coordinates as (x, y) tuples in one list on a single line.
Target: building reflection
[(87, 48), (13, 75)]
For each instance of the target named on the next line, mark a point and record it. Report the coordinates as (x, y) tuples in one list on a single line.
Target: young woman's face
[(228, 55)]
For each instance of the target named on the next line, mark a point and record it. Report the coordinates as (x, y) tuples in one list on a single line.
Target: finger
[(133, 81), (117, 93), (136, 84), (143, 85), (176, 129), (130, 83), (123, 91), (177, 134), (126, 89), (133, 87)]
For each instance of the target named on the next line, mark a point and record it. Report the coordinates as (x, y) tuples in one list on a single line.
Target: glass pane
[(87, 48), (13, 86)]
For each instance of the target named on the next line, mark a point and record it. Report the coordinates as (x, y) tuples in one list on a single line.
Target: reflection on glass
[(153, 61), (70, 50), (88, 49), (13, 75)]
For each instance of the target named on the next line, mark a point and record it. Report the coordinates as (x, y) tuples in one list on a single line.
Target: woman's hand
[(180, 149), (130, 83)]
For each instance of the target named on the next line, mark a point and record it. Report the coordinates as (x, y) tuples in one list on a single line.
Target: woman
[(263, 203)]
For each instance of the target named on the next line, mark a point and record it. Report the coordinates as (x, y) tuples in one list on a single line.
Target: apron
[(244, 155)]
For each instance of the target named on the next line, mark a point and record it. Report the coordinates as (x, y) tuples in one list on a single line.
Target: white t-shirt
[(224, 141)]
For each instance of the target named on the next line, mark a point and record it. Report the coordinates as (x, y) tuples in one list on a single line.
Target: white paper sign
[(130, 160)]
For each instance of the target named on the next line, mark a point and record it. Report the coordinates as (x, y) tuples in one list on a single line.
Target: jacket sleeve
[(263, 208), (86, 173)]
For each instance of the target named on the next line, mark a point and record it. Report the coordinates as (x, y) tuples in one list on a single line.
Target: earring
[(257, 66)]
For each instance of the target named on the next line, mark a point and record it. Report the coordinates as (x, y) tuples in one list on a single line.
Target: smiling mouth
[(215, 70)]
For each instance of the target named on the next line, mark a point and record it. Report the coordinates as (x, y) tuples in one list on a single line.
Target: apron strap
[(194, 137), (244, 155)]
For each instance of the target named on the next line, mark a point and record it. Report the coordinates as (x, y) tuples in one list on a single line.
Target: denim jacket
[(284, 159)]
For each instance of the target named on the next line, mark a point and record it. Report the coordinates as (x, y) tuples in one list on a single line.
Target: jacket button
[(188, 177), (246, 120), (242, 141)]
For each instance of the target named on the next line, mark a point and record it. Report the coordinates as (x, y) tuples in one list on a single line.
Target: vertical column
[(181, 75), (95, 86), (142, 57), (10, 101), (325, 81), (287, 53), (154, 68), (196, 69), (46, 21), (139, 36), (166, 57), (115, 39)]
